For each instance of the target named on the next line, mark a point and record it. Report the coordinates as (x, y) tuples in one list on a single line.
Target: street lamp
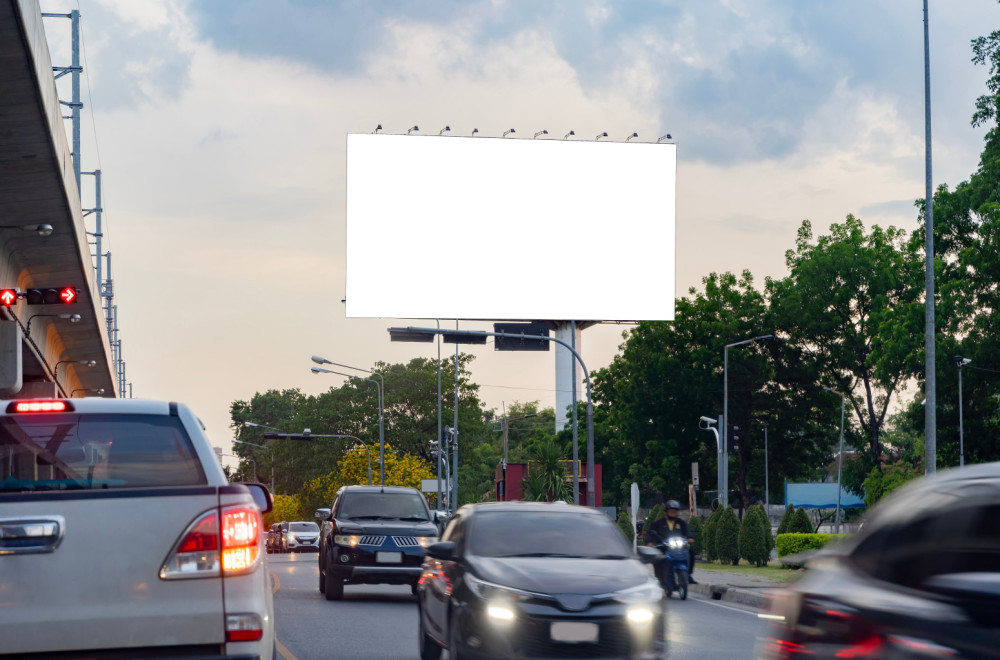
[(309, 436), (660, 139), (508, 132), (541, 132), (41, 230), (86, 363), (270, 449), (446, 129), (566, 137), (634, 135), (960, 362), (725, 408), (81, 389), (840, 454), (381, 411), (411, 129), (479, 337), (600, 135), (73, 318)]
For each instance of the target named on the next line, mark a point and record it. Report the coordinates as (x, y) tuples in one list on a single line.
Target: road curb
[(727, 593)]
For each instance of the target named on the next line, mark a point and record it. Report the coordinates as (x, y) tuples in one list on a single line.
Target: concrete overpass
[(38, 187)]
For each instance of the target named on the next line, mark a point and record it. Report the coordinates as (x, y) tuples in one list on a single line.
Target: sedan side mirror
[(649, 555), (441, 550)]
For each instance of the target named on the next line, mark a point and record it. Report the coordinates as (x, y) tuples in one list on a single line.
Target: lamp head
[(569, 134), (377, 129), (474, 131)]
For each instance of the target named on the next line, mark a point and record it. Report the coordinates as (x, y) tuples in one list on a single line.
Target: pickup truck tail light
[(243, 628), (206, 550)]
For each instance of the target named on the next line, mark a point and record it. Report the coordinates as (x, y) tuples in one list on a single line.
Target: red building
[(508, 487)]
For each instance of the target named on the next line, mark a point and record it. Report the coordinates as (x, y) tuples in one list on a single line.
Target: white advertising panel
[(509, 229)]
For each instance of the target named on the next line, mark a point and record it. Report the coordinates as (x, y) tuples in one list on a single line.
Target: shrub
[(752, 539), (697, 531), (711, 529), (727, 537), (768, 536), (625, 523), (792, 544), (800, 523), (786, 519)]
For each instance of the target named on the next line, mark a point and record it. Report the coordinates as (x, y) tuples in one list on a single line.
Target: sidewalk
[(750, 590)]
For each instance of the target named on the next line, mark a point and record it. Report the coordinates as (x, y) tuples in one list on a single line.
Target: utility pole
[(930, 384)]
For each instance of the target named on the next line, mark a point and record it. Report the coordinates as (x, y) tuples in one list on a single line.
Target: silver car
[(120, 534), (300, 536)]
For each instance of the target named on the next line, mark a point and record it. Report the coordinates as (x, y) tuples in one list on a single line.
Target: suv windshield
[(303, 527), (556, 534), (67, 451), (374, 506)]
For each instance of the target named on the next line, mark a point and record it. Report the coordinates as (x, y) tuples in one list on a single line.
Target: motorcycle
[(675, 570)]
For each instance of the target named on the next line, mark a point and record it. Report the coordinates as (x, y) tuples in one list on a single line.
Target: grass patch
[(773, 571)]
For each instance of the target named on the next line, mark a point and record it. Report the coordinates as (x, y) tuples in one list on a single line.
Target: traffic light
[(66, 295), (8, 297), (733, 443)]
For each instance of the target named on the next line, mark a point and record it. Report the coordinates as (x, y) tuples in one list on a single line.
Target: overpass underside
[(38, 187)]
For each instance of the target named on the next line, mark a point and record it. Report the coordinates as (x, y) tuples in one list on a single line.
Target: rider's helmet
[(672, 504)]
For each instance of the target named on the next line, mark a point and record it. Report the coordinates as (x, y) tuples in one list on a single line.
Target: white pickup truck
[(120, 536)]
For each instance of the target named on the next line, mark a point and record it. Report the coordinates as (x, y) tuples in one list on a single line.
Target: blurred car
[(273, 542), (536, 580), (120, 536), (373, 535), (300, 536), (922, 579)]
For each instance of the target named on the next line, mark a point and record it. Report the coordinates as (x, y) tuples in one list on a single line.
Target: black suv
[(373, 535)]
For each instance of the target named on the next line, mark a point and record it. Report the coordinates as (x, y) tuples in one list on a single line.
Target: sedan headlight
[(425, 541), (347, 539), (647, 592), (493, 592)]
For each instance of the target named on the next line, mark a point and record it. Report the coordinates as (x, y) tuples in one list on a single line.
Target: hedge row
[(791, 544)]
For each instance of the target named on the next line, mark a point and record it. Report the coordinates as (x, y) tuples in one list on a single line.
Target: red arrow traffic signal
[(68, 294), (8, 297)]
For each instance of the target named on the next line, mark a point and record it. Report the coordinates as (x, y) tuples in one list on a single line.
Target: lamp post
[(270, 449), (82, 389), (381, 401), (309, 436), (72, 318), (41, 230), (417, 334), (725, 409), (504, 427), (960, 362), (840, 454), (86, 363)]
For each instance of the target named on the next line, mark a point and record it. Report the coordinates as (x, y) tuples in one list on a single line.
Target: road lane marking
[(282, 651), (727, 607)]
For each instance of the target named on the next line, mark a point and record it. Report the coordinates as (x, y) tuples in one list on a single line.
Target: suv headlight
[(347, 539), (425, 541), (643, 593)]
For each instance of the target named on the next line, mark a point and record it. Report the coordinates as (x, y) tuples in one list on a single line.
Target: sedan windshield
[(383, 506), (304, 527), (555, 534)]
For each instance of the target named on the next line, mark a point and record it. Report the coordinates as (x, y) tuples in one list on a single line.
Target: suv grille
[(371, 540), (405, 541)]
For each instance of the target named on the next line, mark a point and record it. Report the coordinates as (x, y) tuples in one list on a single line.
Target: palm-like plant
[(546, 480)]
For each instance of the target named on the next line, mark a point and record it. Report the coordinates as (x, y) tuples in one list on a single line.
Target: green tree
[(881, 483), (696, 529), (727, 537), (786, 520), (546, 480), (711, 532), (625, 524), (852, 312), (801, 523), (753, 538)]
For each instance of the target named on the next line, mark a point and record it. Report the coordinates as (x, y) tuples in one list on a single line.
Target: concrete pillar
[(564, 372)]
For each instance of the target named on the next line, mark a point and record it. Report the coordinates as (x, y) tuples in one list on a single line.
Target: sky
[(220, 127)]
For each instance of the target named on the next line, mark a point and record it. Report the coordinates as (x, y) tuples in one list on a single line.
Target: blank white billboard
[(509, 229)]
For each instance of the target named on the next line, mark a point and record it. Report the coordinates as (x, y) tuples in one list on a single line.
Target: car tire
[(413, 588), (429, 649), (322, 580), (334, 587)]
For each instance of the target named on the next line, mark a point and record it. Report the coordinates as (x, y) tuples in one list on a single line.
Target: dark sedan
[(535, 580), (921, 580)]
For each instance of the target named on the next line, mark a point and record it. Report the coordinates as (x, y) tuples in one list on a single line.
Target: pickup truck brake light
[(37, 406), (203, 551)]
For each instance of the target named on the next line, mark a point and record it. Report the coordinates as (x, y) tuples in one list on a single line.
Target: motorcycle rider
[(663, 528)]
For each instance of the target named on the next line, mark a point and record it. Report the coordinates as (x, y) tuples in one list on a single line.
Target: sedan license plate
[(389, 557), (572, 631)]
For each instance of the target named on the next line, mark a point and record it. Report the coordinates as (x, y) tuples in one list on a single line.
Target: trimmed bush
[(786, 519), (768, 536), (801, 523), (625, 524), (752, 540), (727, 537), (711, 529), (792, 544), (697, 531)]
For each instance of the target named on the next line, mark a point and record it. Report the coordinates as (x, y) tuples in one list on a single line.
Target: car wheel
[(454, 653), (429, 649), (413, 588), (334, 587)]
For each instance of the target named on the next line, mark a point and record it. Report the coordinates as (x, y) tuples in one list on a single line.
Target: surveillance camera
[(708, 420)]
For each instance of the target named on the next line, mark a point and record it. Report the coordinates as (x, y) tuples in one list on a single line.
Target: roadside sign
[(694, 474), (635, 512)]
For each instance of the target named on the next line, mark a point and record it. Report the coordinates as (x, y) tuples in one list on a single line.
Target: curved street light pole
[(840, 454), (725, 412), (408, 334), (381, 426)]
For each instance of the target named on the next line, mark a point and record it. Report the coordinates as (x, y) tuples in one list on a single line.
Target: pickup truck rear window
[(95, 451)]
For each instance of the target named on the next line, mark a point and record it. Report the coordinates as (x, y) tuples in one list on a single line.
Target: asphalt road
[(379, 622)]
